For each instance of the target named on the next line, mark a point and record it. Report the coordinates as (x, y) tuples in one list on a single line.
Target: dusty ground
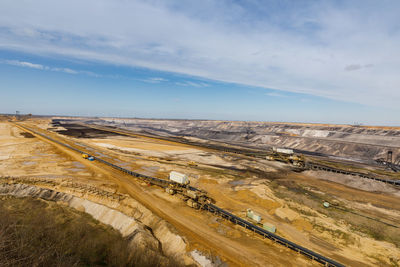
[(340, 141), (292, 202), (205, 239), (23, 155)]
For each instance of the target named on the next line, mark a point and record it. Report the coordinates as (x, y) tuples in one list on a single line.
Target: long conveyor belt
[(211, 208), (249, 152)]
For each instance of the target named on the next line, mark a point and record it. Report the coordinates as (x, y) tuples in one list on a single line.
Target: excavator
[(287, 156)]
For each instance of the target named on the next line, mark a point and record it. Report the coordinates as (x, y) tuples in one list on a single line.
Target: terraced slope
[(359, 143)]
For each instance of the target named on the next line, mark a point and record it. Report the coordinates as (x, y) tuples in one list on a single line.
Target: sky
[(295, 61)]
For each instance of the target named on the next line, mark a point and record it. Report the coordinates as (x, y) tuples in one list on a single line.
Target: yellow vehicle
[(192, 163), (85, 156), (294, 159)]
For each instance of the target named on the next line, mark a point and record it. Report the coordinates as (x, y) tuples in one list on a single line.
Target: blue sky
[(307, 61)]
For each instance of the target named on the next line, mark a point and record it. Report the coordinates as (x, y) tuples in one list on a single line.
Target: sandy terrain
[(346, 141), (238, 191), (291, 201), (21, 156), (206, 239)]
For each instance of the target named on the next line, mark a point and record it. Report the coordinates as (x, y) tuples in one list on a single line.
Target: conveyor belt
[(266, 234), (213, 209), (251, 153), (317, 166)]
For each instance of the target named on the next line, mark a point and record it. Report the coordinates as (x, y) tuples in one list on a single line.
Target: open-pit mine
[(214, 193)]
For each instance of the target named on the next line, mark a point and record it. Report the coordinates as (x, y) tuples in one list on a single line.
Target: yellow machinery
[(194, 198), (297, 160), (85, 156), (290, 158)]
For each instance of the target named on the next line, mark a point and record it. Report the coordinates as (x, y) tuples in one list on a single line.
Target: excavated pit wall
[(119, 211), (364, 143)]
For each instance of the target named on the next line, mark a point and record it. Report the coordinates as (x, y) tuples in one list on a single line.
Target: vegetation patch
[(38, 233)]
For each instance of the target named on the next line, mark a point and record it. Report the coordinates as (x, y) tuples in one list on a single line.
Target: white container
[(178, 177), (254, 216), (269, 227), (284, 150)]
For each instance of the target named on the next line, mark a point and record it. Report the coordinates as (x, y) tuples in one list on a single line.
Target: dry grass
[(38, 233)]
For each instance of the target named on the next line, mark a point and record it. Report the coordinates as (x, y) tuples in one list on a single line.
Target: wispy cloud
[(66, 70), (31, 65), (305, 46), (154, 80), (275, 94), (192, 84), (24, 64)]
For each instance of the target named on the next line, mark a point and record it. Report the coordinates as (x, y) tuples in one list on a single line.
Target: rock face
[(126, 225), (353, 142), (121, 212)]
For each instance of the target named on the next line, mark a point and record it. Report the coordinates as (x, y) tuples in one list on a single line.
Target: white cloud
[(192, 84), (155, 80), (297, 48), (66, 70), (47, 68), (24, 64), (274, 94), (158, 79)]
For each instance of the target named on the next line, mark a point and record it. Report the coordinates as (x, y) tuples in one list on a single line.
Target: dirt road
[(244, 251)]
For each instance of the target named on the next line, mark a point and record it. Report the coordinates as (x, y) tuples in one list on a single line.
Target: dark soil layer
[(355, 143), (80, 131), (27, 135)]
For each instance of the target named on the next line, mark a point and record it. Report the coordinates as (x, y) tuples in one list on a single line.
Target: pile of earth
[(342, 141)]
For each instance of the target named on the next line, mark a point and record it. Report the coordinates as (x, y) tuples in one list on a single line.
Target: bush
[(38, 233)]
